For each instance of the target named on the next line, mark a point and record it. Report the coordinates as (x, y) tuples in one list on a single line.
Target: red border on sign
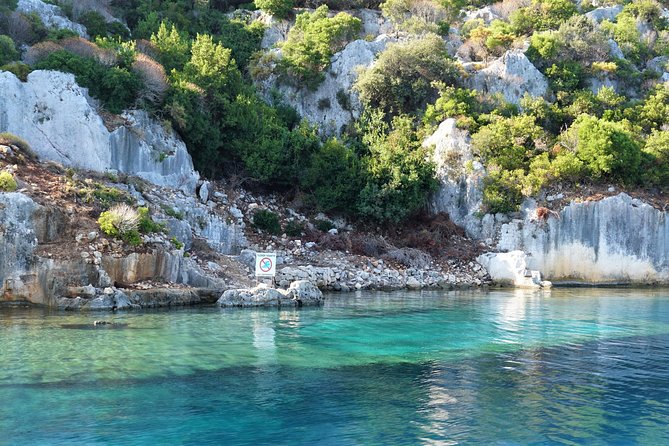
[(270, 264)]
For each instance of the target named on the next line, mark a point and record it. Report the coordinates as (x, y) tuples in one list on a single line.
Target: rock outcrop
[(51, 15), (299, 293), (600, 14), (61, 123), (333, 105), (615, 240), (460, 192), (512, 75)]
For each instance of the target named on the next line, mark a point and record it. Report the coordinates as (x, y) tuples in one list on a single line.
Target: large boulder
[(60, 121), (299, 293), (509, 268), (512, 75), (51, 15), (460, 192), (600, 14)]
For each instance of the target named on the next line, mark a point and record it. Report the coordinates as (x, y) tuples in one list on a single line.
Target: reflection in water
[(508, 367)]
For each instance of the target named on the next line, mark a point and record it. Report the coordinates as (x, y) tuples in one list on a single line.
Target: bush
[(119, 221), (8, 139), (403, 78), (153, 78), (146, 225), (293, 229), (278, 8), (117, 88), (606, 148), (95, 23), (312, 41), (84, 48), (40, 51), (502, 190), (323, 225), (398, 177), (8, 52), (172, 45), (267, 221), (415, 16), (508, 142), (19, 70), (7, 182), (333, 177), (542, 15), (656, 152)]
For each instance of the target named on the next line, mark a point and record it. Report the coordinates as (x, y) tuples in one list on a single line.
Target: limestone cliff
[(615, 240), (60, 121)]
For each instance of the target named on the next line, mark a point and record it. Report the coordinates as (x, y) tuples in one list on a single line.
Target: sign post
[(265, 264)]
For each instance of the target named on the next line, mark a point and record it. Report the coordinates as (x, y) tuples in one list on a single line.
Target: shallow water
[(506, 367)]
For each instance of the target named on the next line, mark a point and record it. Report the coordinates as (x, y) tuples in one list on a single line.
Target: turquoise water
[(504, 368)]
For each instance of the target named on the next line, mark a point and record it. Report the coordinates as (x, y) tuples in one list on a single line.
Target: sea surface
[(510, 367)]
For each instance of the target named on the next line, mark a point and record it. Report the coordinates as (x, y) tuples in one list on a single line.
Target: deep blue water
[(504, 368)]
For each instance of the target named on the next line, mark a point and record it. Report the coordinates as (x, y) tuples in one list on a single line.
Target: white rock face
[(513, 75), (460, 191), (373, 22), (323, 106), (617, 239), (144, 148), (486, 14), (60, 122), (508, 268), (52, 16), (18, 238), (604, 13)]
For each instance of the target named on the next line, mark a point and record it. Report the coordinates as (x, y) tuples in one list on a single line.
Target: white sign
[(265, 264)]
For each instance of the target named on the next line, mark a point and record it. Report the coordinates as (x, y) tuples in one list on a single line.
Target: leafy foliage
[(7, 182), (313, 40), (8, 52), (403, 78)]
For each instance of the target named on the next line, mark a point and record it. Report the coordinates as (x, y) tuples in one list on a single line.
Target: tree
[(398, 176), (312, 42), (278, 8), (173, 46), (8, 51), (403, 78), (606, 148)]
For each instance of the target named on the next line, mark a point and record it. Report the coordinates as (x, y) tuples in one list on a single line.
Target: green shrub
[(118, 221), (333, 177), (173, 47), (656, 152), (8, 52), (95, 23), (542, 15), (293, 229), (403, 79), (7, 139), (323, 225), (502, 190), (278, 8), (606, 148), (508, 142), (7, 182), (176, 243), (146, 225), (19, 70), (312, 41), (415, 16), (398, 176), (116, 87), (267, 221)]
